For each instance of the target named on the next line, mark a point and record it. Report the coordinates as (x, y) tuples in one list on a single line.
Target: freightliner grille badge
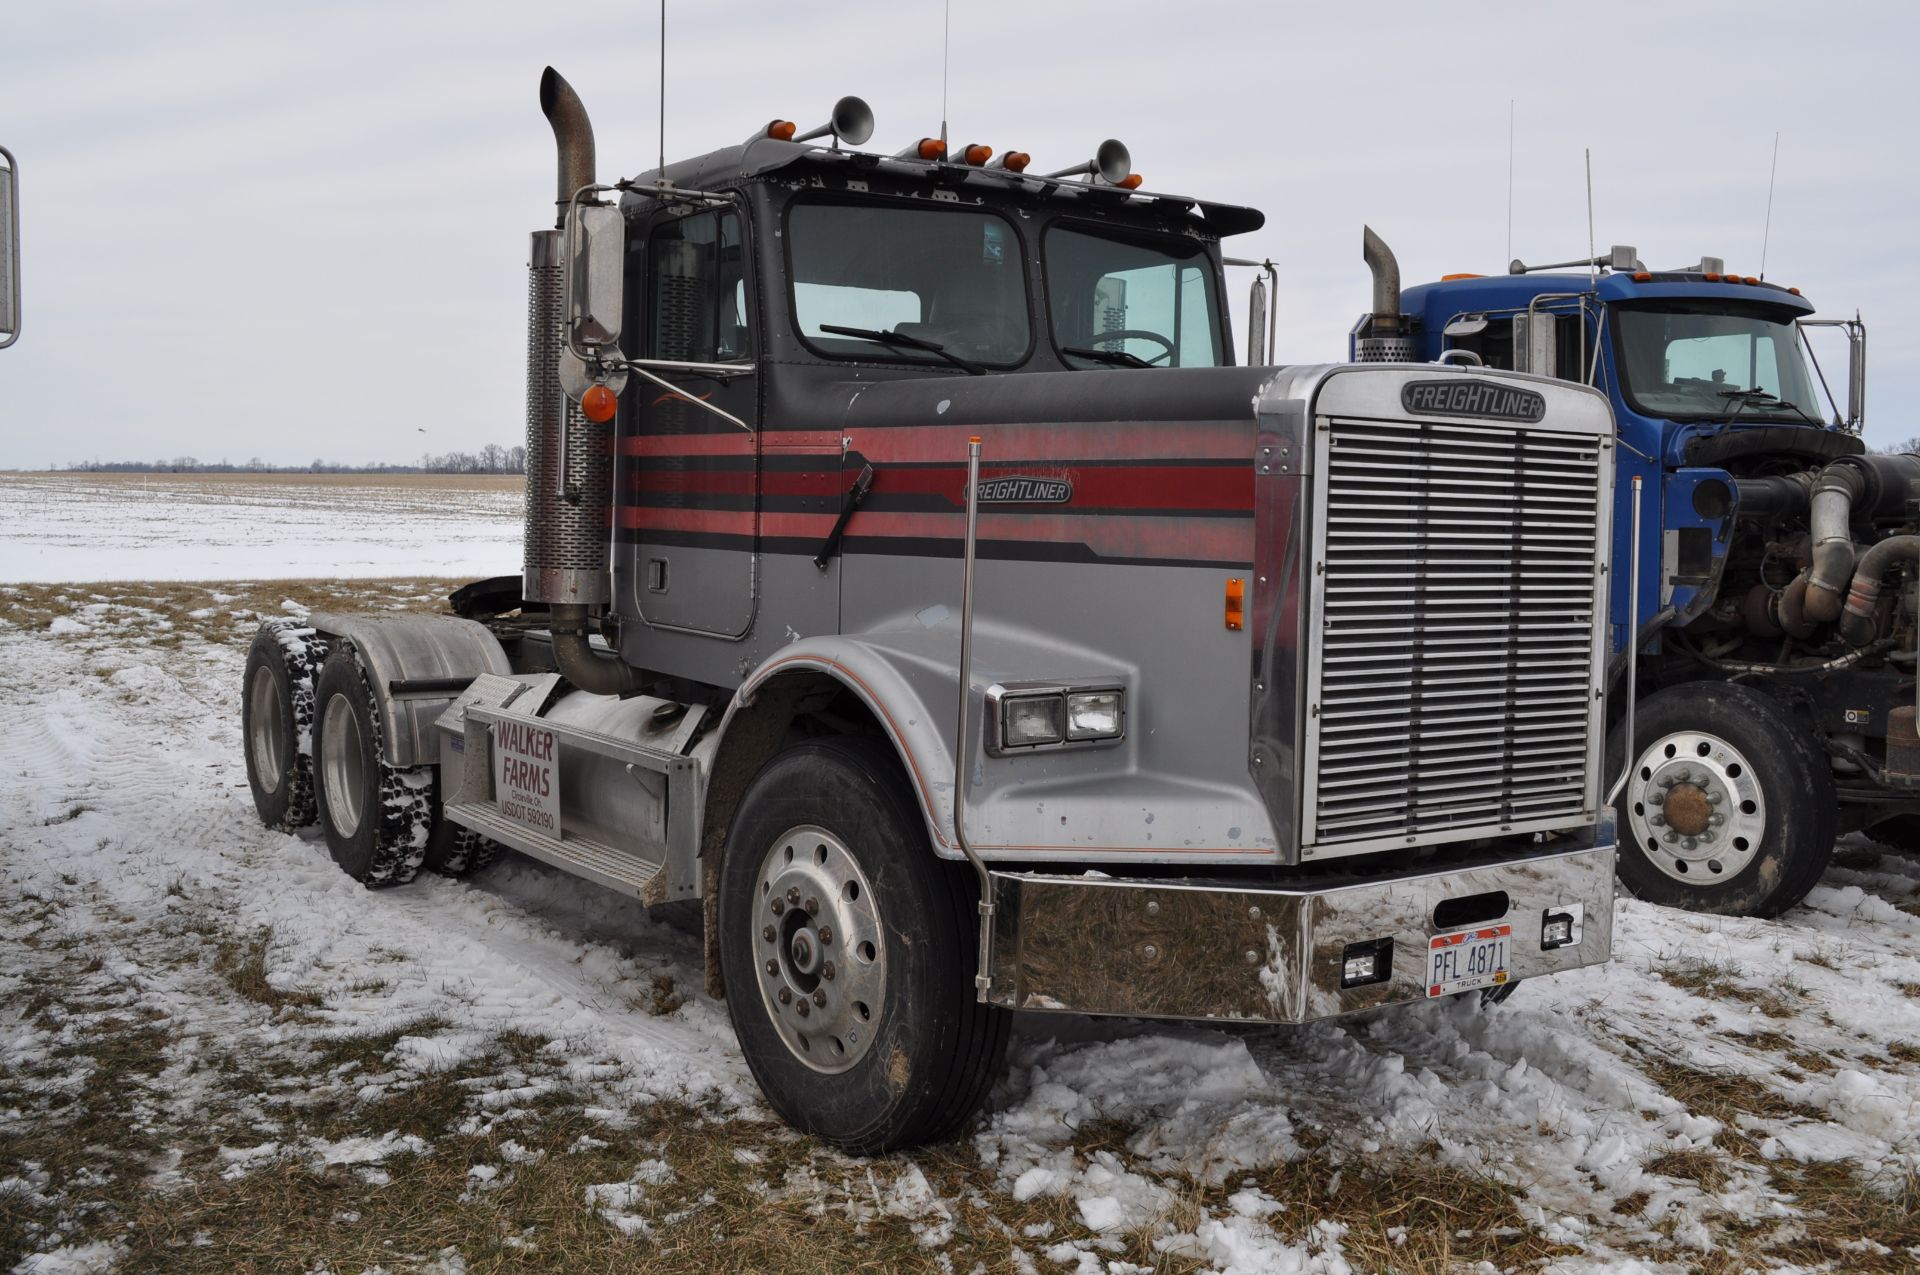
[(1482, 399), (1020, 489)]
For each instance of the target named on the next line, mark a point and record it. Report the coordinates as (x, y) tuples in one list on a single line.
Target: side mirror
[(9, 249), (595, 245), (1624, 259)]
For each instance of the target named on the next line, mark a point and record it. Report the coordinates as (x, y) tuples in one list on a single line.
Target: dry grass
[(218, 482), (243, 963), (164, 614)]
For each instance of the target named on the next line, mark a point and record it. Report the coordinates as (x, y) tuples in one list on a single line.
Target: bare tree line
[(491, 459)]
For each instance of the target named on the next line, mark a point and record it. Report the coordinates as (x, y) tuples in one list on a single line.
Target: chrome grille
[(1455, 632)]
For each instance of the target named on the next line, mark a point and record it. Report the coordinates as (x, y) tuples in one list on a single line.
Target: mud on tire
[(378, 819), (276, 722)]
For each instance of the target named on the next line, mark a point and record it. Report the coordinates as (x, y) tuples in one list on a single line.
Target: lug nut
[(786, 997), (793, 895), (1716, 797), (1671, 837), (813, 906), (826, 971), (826, 935), (819, 998), (1686, 775), (1716, 819), (773, 967), (1689, 843), (767, 934), (1706, 834), (803, 1009), (1658, 821), (778, 907)]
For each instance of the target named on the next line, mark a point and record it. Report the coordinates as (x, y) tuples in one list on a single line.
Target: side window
[(1150, 297), (696, 290)]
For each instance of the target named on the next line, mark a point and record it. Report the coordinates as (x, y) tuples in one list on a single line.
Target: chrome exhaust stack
[(569, 522), (1383, 341)]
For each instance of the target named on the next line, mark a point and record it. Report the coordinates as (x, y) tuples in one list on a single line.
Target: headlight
[(1034, 715), (1094, 715), (1032, 719)]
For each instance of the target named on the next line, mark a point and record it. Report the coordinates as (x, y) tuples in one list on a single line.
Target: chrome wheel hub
[(342, 765), (267, 730), (819, 948), (1695, 809)]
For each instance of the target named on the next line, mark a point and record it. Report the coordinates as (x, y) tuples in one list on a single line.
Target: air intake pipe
[(1383, 342), (1853, 486), (569, 515), (1858, 623)]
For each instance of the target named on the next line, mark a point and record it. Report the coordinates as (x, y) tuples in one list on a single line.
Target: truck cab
[(1759, 505)]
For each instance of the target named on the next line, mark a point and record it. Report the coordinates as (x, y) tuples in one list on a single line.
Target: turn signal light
[(599, 404), (1236, 603), (976, 154), (782, 130)]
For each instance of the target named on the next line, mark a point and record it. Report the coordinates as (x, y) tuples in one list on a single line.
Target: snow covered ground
[(217, 1053), (62, 527)]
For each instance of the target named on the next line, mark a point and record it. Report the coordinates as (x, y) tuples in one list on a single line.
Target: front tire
[(378, 819), (848, 953), (1729, 808)]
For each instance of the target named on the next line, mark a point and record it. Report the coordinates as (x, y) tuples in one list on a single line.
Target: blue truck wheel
[(1729, 807)]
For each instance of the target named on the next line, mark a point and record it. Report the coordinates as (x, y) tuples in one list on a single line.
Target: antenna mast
[(1509, 179), (946, 44), (1593, 261), (1767, 234), (663, 88)]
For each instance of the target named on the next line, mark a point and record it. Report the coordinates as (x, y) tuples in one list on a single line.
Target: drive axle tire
[(453, 851), (1730, 805), (378, 819), (848, 951), (276, 722)]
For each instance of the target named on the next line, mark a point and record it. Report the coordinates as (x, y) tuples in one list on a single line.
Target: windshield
[(1699, 359), (1138, 299), (951, 277)]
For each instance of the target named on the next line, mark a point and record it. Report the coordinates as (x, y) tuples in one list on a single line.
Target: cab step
[(613, 868)]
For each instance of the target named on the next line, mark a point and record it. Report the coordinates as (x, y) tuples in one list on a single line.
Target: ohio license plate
[(1468, 959), (526, 776)]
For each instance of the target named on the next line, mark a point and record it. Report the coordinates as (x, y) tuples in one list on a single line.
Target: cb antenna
[(1509, 179), (663, 89), (1767, 233), (1593, 261), (946, 45)]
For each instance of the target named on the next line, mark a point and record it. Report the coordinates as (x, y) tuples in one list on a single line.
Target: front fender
[(1092, 803)]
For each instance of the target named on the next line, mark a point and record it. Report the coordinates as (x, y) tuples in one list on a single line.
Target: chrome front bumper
[(1222, 950)]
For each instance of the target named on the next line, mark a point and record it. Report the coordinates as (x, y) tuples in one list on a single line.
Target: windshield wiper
[(1741, 400), (1117, 358), (905, 342)]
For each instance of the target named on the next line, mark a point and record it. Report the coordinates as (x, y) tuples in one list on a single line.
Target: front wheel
[(1729, 806), (848, 953)]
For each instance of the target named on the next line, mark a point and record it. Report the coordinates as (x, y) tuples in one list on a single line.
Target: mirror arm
[(638, 369)]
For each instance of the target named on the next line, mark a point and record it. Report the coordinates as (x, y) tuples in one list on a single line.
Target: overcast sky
[(299, 230)]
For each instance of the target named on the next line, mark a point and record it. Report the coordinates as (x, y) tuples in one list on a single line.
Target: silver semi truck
[(915, 591)]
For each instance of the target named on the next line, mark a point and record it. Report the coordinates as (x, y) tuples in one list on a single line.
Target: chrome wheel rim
[(267, 730), (342, 764), (819, 949), (1695, 808)]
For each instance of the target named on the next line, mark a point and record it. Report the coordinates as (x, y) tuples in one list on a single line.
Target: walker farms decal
[(526, 776)]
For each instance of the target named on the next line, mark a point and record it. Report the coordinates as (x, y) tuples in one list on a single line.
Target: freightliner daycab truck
[(1775, 602), (915, 590)]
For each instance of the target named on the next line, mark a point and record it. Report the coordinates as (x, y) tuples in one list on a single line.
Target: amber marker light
[(599, 403), (932, 148), (976, 155), (1642, 276), (1130, 182), (1015, 161), (1449, 278), (1236, 603), (781, 130)]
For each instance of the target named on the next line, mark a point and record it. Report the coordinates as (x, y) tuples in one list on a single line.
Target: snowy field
[(63, 527), (218, 1054)]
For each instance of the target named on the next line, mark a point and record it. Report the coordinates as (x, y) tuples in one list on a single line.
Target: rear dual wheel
[(1729, 806), (276, 722), (848, 954)]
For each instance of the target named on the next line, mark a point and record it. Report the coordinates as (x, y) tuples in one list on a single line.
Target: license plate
[(1469, 959), (526, 776)]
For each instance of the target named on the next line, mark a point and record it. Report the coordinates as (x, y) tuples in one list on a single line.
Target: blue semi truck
[(1776, 600)]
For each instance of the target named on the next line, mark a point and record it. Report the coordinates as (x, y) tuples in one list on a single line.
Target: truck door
[(691, 478)]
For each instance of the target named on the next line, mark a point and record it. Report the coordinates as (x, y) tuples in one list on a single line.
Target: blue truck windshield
[(1701, 360)]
